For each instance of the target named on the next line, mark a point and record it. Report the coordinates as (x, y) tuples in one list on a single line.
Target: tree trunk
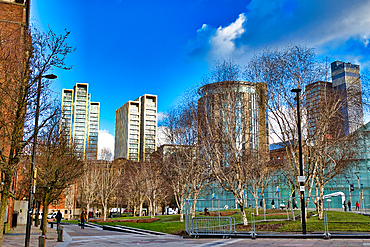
[(244, 216), (45, 214), (150, 208), (38, 205), (141, 208), (105, 210), (181, 212), (256, 199), (87, 211), (196, 195), (4, 203), (320, 206), (153, 209)]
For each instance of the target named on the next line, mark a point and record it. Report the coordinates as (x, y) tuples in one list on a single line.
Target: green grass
[(338, 221)]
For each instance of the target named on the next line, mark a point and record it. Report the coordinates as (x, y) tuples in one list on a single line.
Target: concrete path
[(96, 237), (75, 236), (16, 237)]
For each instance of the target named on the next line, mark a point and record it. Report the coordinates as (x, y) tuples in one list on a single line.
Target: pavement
[(74, 236), (17, 236)]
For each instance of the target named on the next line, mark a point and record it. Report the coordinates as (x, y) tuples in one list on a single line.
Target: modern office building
[(346, 81), (80, 120), (136, 129)]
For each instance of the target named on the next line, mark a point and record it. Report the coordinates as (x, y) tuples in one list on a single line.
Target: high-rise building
[(240, 107), (346, 81), (80, 120), (319, 96), (136, 128), (323, 98)]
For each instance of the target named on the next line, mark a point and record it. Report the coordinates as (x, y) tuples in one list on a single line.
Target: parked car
[(128, 211), (52, 215)]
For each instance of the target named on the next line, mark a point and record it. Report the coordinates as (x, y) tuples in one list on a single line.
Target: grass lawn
[(168, 223), (338, 221)]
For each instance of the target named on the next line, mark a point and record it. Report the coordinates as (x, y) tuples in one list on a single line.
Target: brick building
[(14, 40)]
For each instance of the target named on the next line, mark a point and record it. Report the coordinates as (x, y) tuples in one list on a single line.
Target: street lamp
[(303, 209), (33, 174)]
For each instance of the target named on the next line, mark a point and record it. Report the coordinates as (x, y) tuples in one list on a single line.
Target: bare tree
[(89, 184), (24, 59), (108, 180), (183, 166), (297, 67), (231, 126), (58, 168), (133, 179)]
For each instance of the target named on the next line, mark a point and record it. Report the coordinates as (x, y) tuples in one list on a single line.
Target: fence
[(286, 209)]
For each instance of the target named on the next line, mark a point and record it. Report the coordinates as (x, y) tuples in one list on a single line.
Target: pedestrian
[(357, 205), (345, 206), (349, 206), (97, 213), (261, 204), (59, 217), (206, 212), (295, 204), (83, 218), (273, 204)]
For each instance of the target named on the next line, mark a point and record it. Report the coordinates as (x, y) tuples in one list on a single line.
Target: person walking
[(349, 206), (59, 217), (357, 205), (83, 218), (295, 204), (273, 204), (345, 206), (206, 212)]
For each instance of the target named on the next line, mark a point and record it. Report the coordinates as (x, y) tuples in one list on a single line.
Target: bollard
[(60, 233), (42, 241)]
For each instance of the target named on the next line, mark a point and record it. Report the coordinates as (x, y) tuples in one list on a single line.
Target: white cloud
[(331, 28), (161, 116), (105, 140), (162, 136), (223, 41)]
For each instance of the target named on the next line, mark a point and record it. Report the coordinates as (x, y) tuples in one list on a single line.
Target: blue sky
[(125, 49)]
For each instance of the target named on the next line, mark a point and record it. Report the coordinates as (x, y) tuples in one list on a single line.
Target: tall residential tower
[(346, 80), (136, 129), (80, 120)]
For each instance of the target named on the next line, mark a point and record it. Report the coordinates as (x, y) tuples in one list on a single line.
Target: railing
[(212, 225)]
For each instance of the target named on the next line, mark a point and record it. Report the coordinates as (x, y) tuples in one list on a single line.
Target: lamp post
[(303, 209), (34, 143)]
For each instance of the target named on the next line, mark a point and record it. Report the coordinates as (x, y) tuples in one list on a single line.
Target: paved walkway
[(16, 237), (75, 236)]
